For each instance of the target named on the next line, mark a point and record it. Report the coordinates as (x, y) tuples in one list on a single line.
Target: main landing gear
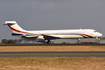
[(78, 40), (48, 41)]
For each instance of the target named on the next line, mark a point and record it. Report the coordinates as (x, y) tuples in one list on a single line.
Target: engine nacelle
[(40, 37)]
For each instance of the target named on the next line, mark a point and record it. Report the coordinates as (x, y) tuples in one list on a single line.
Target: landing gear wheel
[(78, 40), (48, 42), (98, 39)]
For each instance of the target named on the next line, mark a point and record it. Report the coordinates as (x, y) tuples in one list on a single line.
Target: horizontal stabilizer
[(16, 34), (10, 22)]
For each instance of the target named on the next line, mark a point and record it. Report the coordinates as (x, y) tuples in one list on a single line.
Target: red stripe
[(50, 34), (21, 31)]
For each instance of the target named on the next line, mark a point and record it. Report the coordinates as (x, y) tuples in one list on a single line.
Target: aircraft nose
[(99, 34)]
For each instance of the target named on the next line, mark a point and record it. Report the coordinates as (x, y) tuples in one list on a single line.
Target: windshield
[(95, 31)]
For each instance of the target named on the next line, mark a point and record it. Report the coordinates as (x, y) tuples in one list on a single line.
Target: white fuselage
[(51, 34), (73, 33)]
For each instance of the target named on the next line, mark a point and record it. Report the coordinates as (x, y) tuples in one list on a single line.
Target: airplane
[(52, 34)]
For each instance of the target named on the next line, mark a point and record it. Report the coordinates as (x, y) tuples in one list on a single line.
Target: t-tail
[(14, 27)]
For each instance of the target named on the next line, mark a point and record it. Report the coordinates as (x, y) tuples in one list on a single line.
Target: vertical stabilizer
[(14, 26)]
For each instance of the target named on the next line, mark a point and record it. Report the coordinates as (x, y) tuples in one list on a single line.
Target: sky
[(52, 14)]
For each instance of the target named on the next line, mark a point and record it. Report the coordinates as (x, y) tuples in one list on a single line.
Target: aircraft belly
[(71, 36)]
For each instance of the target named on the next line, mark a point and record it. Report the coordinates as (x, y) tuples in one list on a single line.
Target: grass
[(57, 63), (50, 48)]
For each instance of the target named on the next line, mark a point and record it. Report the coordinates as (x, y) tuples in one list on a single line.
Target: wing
[(50, 37), (30, 36), (27, 36)]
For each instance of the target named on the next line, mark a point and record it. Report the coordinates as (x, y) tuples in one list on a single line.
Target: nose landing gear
[(78, 40), (97, 39)]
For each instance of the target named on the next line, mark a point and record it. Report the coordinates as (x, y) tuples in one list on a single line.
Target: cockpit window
[(95, 31)]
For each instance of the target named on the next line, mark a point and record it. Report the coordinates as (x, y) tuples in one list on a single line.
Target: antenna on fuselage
[(99, 30)]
